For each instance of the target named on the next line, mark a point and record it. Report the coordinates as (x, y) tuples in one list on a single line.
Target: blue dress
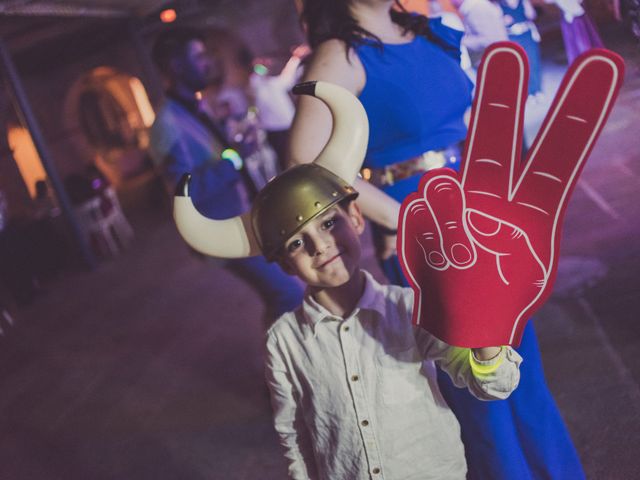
[(415, 97)]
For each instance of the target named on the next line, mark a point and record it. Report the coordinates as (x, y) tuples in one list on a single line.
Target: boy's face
[(326, 252)]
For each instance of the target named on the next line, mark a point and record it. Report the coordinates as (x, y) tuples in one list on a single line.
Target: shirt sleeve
[(208, 179), (486, 380), (288, 421)]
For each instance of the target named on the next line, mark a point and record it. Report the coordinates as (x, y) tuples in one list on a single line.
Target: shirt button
[(355, 378), (364, 423), (375, 471), (345, 328)]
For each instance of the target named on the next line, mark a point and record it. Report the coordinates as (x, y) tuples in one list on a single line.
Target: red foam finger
[(474, 304), (495, 129), (445, 199)]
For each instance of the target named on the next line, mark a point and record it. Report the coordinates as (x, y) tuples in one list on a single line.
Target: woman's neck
[(342, 300), (374, 17)]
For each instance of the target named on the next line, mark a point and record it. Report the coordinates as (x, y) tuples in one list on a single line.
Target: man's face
[(326, 252), (196, 68)]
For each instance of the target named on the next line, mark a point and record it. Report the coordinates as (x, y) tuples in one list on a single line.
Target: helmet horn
[(232, 238), (344, 152)]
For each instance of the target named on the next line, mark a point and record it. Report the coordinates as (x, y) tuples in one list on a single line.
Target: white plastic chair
[(104, 225)]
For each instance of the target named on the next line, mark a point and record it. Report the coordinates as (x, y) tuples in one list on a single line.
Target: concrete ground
[(150, 367)]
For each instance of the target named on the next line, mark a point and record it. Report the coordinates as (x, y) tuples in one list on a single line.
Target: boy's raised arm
[(491, 379), (289, 425)]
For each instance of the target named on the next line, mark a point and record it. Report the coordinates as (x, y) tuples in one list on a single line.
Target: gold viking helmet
[(291, 199)]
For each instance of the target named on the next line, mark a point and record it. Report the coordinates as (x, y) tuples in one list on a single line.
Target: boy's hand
[(486, 353), (480, 247)]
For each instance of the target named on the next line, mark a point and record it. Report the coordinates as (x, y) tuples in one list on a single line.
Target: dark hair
[(244, 57), (326, 19), (172, 43)]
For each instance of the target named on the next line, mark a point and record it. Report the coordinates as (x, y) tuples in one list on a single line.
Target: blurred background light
[(168, 16)]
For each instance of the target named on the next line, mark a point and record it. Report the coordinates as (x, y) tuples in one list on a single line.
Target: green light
[(233, 156), (260, 69)]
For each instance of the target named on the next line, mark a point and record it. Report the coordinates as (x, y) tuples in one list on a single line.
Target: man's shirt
[(358, 398), (182, 143)]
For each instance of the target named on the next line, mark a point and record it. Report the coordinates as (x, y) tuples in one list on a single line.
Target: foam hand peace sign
[(480, 247)]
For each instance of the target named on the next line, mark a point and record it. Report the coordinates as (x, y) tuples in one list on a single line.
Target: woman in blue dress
[(405, 71)]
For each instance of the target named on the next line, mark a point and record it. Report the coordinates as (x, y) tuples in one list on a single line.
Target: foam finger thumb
[(496, 235)]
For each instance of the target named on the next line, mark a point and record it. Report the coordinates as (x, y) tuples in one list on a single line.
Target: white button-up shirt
[(357, 398)]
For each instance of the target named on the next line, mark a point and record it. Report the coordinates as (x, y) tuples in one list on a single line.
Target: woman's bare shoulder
[(333, 61)]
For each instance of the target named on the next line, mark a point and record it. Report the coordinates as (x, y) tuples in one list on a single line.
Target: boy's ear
[(353, 210)]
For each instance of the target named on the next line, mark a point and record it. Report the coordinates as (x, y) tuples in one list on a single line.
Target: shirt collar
[(373, 298)]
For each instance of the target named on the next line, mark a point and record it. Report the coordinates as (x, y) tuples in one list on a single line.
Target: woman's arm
[(312, 124)]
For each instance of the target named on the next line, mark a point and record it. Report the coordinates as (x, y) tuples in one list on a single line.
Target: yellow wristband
[(480, 369)]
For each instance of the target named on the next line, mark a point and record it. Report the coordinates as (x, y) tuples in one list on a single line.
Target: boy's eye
[(328, 223), (294, 245)]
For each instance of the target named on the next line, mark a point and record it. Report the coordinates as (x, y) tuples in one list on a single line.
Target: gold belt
[(395, 172)]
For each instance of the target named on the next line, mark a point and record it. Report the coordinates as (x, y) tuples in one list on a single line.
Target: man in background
[(184, 139)]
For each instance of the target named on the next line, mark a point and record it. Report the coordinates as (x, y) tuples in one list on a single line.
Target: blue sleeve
[(208, 179), (448, 38)]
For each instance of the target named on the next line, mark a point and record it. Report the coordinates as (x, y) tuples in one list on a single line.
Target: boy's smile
[(326, 252), (329, 261)]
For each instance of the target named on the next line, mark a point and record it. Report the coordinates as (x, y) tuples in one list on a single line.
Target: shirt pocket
[(399, 376)]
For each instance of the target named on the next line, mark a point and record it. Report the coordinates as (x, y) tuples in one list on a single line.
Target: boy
[(353, 383), (352, 380)]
